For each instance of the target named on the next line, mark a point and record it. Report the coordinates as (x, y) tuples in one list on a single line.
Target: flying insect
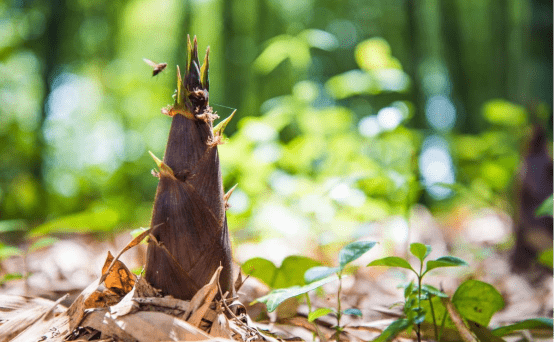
[(158, 67)]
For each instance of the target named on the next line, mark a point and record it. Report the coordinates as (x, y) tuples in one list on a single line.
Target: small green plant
[(468, 312), (464, 316), (288, 276), (318, 276), (414, 311), (7, 251)]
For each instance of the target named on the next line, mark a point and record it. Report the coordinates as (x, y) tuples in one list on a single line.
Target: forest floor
[(74, 262)]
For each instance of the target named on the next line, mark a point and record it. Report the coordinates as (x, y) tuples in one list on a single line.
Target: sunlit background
[(348, 112)]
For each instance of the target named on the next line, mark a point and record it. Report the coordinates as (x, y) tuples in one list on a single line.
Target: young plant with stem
[(318, 276), (466, 315), (413, 307), (348, 254)]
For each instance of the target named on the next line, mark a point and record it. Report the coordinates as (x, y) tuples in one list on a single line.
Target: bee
[(158, 68)]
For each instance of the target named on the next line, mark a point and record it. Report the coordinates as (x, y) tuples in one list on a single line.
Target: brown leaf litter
[(120, 306)]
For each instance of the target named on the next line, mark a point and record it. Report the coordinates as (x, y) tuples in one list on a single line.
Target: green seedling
[(316, 277), (285, 280), (7, 251), (349, 253), (10, 276), (414, 311)]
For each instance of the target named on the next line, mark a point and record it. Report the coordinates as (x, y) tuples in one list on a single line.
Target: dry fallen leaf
[(119, 278), (201, 301)]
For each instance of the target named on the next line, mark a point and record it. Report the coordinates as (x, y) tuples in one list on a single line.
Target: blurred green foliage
[(336, 103)]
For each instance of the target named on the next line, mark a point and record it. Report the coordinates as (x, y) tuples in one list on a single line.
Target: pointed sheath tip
[(179, 77), (204, 71), (220, 127), (163, 167), (194, 53), (189, 53), (228, 195), (179, 85), (156, 159)]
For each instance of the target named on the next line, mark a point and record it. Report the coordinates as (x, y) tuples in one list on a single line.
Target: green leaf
[(393, 330), (290, 273), (353, 312), (281, 48), (546, 208), (13, 225), (276, 297), (353, 251), (318, 273), (271, 294), (391, 261), (420, 318), (432, 290), (319, 39), (546, 258), (137, 271), (7, 251), (10, 276), (535, 323), (477, 301), (421, 251), (502, 112), (445, 261), (99, 218), (350, 83), (320, 312), (408, 289), (42, 243), (293, 269), (439, 310), (261, 269)]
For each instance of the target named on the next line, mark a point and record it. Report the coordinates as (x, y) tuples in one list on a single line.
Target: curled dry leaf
[(76, 311), (119, 278), (201, 301)]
